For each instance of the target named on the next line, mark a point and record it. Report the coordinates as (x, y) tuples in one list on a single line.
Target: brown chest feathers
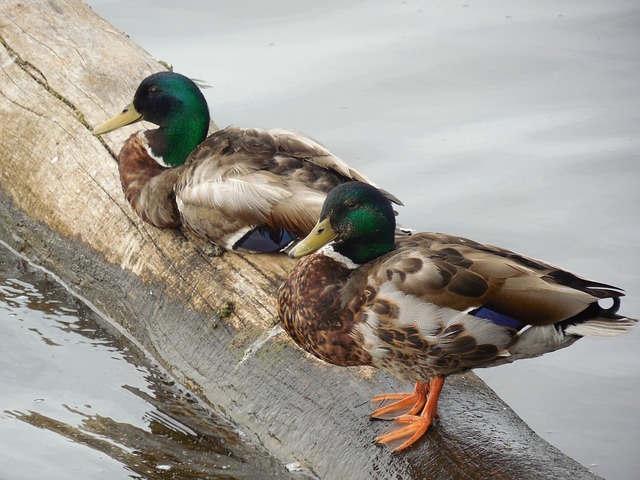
[(147, 185), (318, 314)]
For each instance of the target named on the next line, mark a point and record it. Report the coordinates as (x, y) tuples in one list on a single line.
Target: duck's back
[(240, 179), (463, 274), (445, 304)]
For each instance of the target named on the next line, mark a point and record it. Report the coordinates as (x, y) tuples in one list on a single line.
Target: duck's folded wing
[(289, 144), (225, 204), (321, 156), (442, 304), (298, 145), (462, 274)]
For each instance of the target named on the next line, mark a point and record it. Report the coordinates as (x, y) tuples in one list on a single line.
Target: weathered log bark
[(64, 70)]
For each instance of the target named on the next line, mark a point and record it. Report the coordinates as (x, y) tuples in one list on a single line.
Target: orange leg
[(401, 403), (407, 429)]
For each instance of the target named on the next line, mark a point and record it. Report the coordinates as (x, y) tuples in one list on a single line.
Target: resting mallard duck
[(428, 306), (242, 188)]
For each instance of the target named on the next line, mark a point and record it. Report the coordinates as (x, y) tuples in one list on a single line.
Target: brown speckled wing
[(415, 339), (242, 178), (462, 274), (415, 318), (411, 311)]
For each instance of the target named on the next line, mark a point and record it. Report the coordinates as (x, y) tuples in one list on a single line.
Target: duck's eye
[(351, 204), (153, 89)]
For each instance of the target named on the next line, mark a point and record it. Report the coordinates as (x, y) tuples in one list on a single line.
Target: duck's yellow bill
[(321, 234), (128, 116)]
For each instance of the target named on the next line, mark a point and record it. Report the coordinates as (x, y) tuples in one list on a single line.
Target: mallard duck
[(241, 188), (428, 306)]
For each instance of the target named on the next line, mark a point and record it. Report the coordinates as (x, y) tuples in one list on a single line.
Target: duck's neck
[(360, 252), (170, 145)]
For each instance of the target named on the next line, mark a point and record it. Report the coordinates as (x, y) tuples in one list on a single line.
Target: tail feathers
[(615, 306), (602, 327), (597, 289), (599, 322), (532, 342)]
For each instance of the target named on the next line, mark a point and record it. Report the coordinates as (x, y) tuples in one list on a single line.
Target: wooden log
[(63, 71)]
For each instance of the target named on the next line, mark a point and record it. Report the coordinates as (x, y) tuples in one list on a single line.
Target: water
[(80, 400), (514, 124)]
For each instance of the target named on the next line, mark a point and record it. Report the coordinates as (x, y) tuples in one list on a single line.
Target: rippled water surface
[(80, 401)]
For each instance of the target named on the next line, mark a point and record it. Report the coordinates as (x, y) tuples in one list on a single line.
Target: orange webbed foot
[(393, 405), (407, 429), (404, 432)]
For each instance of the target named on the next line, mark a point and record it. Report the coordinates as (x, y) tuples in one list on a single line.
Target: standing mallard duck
[(245, 189), (428, 306)]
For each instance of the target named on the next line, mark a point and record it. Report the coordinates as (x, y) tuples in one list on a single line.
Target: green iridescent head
[(359, 218), (174, 103)]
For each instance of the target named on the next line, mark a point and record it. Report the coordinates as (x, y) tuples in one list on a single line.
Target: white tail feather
[(601, 327)]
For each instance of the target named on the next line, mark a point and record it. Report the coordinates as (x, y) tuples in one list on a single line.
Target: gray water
[(79, 400), (512, 123)]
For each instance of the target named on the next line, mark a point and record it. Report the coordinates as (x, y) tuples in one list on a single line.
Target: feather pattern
[(433, 305), (412, 310), (416, 305), (148, 187), (228, 184), (260, 178)]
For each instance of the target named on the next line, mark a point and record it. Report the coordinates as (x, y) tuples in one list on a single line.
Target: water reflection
[(79, 399)]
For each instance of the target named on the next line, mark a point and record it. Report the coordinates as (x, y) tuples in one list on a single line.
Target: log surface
[(64, 70)]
